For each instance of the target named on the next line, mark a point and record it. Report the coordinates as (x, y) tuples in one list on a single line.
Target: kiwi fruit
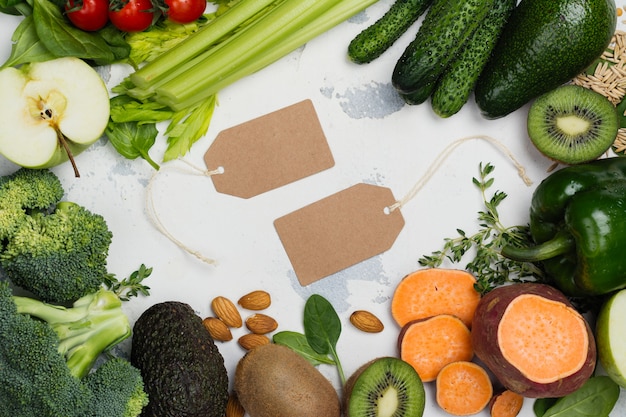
[(274, 381), (386, 386), (572, 124)]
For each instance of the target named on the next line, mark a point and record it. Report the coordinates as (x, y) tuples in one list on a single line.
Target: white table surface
[(373, 137)]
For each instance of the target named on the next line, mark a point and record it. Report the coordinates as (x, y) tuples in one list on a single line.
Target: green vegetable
[(458, 80), (35, 379), (596, 398), (322, 328), (55, 249), (490, 268), (182, 368), (378, 37), (576, 222), (437, 43), (544, 44), (93, 324), (298, 343), (47, 34)]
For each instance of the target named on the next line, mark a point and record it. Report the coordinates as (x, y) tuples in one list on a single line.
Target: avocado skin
[(544, 44), (183, 371)]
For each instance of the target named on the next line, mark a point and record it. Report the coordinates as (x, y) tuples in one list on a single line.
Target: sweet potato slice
[(463, 388), (506, 404), (533, 340), (432, 343), (432, 291)]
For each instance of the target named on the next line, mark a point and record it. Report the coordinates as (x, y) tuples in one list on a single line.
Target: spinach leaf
[(126, 109), (596, 398), (298, 343), (541, 405), (322, 328), (62, 39), (26, 45), (133, 140)]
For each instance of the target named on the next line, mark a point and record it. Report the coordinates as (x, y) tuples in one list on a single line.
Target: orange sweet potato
[(431, 291), (533, 340), (506, 404), (463, 388), (432, 343)]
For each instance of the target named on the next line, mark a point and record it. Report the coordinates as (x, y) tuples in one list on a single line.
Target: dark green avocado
[(183, 371), (544, 44)]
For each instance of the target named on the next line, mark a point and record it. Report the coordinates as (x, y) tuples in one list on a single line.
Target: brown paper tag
[(269, 152), (339, 231)]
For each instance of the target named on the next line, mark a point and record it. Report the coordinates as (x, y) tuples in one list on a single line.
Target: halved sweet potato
[(430, 344), (533, 340)]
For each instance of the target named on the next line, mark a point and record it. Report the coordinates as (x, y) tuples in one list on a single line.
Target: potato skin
[(485, 340), (274, 381)]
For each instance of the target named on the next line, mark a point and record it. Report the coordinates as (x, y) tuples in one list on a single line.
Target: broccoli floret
[(93, 324), (24, 191), (35, 379), (56, 250), (118, 389)]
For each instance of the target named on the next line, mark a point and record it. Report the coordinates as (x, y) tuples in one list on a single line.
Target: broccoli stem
[(94, 324)]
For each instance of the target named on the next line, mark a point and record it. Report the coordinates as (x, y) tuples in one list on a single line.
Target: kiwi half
[(387, 387), (572, 124)]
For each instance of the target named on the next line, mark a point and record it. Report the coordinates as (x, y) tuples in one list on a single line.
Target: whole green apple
[(51, 111)]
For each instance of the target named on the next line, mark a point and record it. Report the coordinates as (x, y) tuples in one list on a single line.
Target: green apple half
[(611, 337), (51, 111)]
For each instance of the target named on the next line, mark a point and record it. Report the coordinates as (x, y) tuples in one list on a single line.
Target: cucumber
[(545, 43), (420, 95), (377, 38), (435, 45), (457, 82)]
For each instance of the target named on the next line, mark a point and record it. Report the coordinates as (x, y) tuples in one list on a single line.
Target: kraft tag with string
[(268, 152), (339, 231)]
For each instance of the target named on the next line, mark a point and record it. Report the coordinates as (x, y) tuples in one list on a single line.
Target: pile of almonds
[(227, 316)]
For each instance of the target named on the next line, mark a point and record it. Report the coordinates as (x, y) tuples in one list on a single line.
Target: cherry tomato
[(185, 11), (88, 15), (135, 16)]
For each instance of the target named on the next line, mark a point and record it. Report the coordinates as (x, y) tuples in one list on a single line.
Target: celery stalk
[(276, 27), (200, 41), (337, 14)]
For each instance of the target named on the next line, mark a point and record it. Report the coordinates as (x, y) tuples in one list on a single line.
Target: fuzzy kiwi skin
[(488, 314), (274, 381)]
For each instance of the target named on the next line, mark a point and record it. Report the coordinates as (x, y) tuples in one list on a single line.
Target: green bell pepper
[(578, 222)]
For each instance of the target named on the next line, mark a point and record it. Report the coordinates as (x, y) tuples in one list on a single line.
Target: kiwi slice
[(572, 124), (384, 387)]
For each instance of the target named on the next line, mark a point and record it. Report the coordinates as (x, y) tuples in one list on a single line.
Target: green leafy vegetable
[(26, 45), (488, 265), (322, 328), (298, 343), (129, 287), (596, 398)]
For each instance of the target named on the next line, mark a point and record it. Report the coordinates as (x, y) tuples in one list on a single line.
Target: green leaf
[(322, 325), (298, 343), (187, 127), (62, 39), (133, 140), (26, 45), (596, 398), (541, 405)]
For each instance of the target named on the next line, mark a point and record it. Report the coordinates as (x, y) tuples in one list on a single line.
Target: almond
[(256, 300), (218, 329), (366, 322), (234, 407), (261, 323), (250, 341), (225, 310)]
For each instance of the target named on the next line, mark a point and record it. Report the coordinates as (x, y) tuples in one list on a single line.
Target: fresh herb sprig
[(488, 265), (129, 287), (322, 328)]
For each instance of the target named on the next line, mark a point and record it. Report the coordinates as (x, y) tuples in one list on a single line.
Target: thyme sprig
[(488, 265)]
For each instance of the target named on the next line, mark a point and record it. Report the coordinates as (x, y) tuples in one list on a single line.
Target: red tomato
[(185, 11), (88, 15), (135, 16)]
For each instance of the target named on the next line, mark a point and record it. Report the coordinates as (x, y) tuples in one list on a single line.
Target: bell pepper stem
[(560, 244)]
